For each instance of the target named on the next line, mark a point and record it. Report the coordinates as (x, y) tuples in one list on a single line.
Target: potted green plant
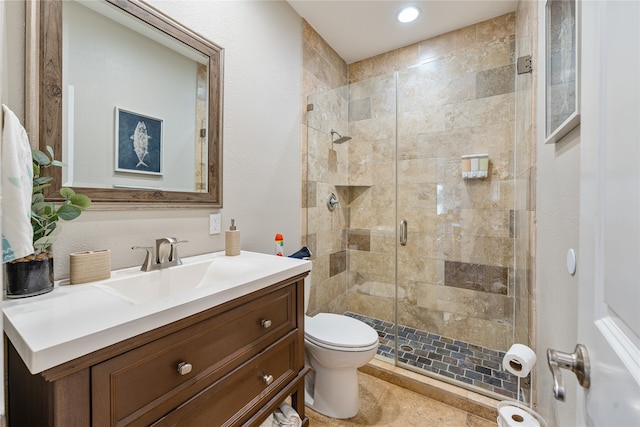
[(33, 274)]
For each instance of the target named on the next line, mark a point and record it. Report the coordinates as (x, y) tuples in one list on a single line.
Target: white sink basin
[(221, 272), (153, 285)]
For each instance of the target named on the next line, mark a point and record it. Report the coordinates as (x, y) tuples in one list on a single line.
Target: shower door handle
[(403, 232)]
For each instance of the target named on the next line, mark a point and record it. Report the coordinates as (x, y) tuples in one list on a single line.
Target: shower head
[(340, 139)]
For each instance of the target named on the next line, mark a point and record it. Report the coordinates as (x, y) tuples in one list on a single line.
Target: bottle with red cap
[(279, 245)]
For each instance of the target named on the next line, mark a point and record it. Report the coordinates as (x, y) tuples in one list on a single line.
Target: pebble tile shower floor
[(459, 360)]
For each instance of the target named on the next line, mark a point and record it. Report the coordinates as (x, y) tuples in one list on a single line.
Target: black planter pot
[(28, 278)]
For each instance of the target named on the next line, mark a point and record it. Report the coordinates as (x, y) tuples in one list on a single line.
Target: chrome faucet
[(166, 254)]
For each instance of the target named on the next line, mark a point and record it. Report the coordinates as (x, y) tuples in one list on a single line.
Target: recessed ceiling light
[(408, 14)]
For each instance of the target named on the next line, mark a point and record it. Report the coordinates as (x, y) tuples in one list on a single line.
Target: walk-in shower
[(448, 303)]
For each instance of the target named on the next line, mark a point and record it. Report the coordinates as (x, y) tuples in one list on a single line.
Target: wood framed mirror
[(131, 126)]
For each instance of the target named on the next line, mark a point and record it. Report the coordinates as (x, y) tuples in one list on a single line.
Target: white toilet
[(335, 347)]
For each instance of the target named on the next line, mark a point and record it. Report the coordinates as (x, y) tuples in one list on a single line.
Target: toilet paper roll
[(512, 416), (519, 360)]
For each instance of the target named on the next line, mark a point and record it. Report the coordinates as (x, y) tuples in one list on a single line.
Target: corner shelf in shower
[(351, 191), (353, 185)]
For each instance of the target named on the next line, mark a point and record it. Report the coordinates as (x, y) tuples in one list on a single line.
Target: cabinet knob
[(267, 378), (184, 368), (266, 323)]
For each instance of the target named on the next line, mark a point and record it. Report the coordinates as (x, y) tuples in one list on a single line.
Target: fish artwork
[(141, 139)]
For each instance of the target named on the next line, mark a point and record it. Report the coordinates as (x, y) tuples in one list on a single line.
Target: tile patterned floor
[(455, 359), (385, 404)]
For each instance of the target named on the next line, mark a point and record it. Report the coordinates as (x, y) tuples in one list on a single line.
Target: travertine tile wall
[(455, 96), (323, 166)]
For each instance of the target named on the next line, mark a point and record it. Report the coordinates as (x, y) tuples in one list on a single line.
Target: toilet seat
[(338, 332)]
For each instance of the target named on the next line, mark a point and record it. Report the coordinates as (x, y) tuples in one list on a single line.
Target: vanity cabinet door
[(142, 385)]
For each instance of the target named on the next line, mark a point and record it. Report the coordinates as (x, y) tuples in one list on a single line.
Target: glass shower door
[(355, 243), (456, 271)]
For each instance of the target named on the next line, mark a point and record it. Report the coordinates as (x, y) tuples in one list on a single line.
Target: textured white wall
[(12, 75), (261, 184), (557, 220)]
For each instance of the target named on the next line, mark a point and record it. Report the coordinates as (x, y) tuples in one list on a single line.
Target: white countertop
[(74, 320)]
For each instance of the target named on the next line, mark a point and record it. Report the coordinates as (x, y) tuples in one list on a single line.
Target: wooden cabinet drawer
[(232, 400), (143, 384)]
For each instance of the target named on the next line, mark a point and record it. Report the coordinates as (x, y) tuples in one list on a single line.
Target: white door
[(609, 255)]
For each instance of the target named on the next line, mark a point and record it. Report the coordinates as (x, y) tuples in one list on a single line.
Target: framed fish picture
[(138, 143)]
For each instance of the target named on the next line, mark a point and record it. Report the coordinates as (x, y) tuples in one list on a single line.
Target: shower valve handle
[(332, 201)]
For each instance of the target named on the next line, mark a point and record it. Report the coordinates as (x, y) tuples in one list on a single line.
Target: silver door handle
[(403, 232), (576, 362)]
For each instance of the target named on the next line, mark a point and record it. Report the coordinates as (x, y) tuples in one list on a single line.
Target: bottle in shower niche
[(279, 245), (232, 240)]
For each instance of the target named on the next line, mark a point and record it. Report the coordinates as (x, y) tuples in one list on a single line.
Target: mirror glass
[(135, 110)]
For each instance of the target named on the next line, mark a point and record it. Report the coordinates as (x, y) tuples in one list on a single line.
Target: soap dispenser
[(232, 240)]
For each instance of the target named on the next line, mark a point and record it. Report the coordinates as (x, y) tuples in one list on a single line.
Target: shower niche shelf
[(351, 192), (347, 186)]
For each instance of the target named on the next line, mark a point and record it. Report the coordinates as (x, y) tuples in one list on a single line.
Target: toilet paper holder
[(576, 362)]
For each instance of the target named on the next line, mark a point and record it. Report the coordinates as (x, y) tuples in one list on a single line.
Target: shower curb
[(456, 397)]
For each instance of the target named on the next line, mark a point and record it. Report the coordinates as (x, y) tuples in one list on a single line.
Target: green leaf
[(81, 201), (40, 158), (44, 243), (50, 208), (39, 188), (44, 215), (42, 180), (38, 207), (69, 212), (67, 192), (42, 227)]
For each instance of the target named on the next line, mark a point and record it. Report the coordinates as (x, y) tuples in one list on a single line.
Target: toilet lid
[(339, 331)]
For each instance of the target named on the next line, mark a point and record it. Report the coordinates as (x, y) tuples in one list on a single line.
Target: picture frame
[(562, 68), (138, 143)]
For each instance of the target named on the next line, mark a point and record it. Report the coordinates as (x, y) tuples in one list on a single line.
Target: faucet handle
[(146, 265), (173, 255), (163, 249)]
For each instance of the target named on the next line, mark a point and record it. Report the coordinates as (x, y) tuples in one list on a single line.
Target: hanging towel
[(17, 186), (286, 416)]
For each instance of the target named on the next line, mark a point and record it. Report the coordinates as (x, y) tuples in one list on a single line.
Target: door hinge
[(525, 65)]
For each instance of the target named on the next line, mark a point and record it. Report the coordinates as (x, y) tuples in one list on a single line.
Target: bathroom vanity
[(229, 364)]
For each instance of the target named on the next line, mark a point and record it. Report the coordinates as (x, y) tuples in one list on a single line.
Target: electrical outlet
[(214, 223)]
